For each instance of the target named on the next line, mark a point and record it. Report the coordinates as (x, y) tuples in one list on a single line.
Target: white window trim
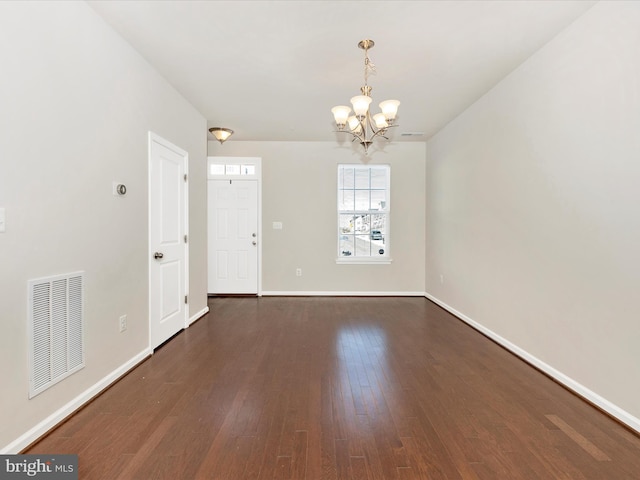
[(363, 260), (383, 260)]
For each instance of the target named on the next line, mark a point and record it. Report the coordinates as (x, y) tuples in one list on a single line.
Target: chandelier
[(362, 125)]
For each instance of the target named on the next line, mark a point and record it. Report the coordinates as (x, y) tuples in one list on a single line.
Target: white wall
[(299, 189), (532, 207), (77, 103)]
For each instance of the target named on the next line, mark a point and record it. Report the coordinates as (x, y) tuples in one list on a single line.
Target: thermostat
[(119, 189)]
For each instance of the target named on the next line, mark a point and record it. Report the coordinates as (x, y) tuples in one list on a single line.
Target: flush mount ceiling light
[(221, 134), (362, 125)]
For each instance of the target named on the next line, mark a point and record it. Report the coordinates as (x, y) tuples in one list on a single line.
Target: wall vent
[(56, 329)]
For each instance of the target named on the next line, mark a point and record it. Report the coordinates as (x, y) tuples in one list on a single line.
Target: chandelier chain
[(369, 67)]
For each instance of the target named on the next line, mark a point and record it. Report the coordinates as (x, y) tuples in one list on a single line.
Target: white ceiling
[(272, 70)]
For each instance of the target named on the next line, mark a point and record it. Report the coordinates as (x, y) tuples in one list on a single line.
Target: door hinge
[(185, 177), (186, 299), (185, 239)]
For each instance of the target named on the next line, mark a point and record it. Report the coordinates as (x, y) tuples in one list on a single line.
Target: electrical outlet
[(441, 278), (123, 323), (298, 272)]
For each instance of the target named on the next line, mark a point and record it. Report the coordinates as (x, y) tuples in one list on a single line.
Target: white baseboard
[(576, 387), (198, 315), (58, 416), (340, 294)]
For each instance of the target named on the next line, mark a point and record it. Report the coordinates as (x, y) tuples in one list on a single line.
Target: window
[(231, 170), (363, 213)]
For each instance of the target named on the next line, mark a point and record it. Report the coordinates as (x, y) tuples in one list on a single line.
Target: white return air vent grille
[(56, 329)]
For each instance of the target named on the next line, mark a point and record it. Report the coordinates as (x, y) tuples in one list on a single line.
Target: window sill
[(363, 260)]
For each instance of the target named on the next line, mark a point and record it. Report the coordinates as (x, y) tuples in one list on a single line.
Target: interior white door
[(233, 236), (167, 242)]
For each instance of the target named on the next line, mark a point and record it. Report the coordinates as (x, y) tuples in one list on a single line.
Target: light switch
[(277, 225), (3, 217)]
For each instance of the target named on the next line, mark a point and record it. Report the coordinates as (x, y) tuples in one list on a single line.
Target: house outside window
[(363, 213)]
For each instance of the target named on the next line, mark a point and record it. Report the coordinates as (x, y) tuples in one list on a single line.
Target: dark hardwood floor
[(340, 388)]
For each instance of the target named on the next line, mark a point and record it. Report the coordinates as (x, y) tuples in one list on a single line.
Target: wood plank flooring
[(324, 388)]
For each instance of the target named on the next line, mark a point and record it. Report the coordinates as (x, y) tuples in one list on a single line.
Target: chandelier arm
[(366, 125), (381, 134), (354, 135), (370, 124), (383, 131)]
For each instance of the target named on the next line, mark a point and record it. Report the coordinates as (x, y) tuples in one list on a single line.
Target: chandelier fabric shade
[(362, 125)]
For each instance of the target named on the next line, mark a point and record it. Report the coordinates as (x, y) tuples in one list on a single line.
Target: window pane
[(248, 169), (363, 246), (346, 224), (346, 245), (362, 223), (345, 178), (216, 169), (378, 233), (362, 178), (362, 199), (233, 169), (379, 178), (379, 222), (345, 200), (378, 199)]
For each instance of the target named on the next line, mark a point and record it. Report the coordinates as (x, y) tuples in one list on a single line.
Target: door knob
[(254, 243), (158, 255), (254, 235)]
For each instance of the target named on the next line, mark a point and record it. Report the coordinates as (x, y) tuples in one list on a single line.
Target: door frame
[(257, 161), (153, 137)]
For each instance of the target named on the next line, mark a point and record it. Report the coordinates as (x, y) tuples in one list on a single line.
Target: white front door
[(233, 236), (168, 266)]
